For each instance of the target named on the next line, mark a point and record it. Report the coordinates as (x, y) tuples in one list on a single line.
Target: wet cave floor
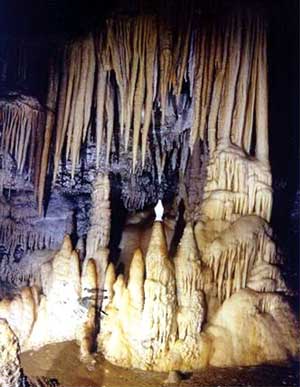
[(61, 361)]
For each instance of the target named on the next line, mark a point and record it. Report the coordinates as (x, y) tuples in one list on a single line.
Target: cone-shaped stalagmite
[(189, 285), (99, 230), (136, 280), (87, 331), (159, 314), (110, 279)]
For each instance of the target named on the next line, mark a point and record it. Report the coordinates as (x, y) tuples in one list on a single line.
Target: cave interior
[(149, 178)]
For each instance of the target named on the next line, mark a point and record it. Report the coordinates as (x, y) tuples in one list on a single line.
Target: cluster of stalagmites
[(221, 299), (64, 308), (218, 302)]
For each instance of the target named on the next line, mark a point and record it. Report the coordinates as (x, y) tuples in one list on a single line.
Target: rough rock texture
[(10, 367), (147, 108), (11, 373), (63, 309)]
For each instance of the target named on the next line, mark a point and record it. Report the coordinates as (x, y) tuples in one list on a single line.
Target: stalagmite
[(160, 300), (136, 280), (86, 332), (110, 278), (190, 298), (153, 107)]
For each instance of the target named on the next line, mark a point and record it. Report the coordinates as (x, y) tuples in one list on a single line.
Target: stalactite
[(200, 42), (140, 92), (165, 65), (181, 55), (141, 65), (137, 25), (109, 110), (239, 113), (118, 40), (50, 118), (79, 123), (22, 117), (76, 49), (100, 97), (249, 116), (150, 68), (261, 101), (231, 72), (63, 102), (207, 84), (89, 85)]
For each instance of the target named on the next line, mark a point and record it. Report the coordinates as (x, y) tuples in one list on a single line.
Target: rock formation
[(155, 107), (11, 373), (65, 308)]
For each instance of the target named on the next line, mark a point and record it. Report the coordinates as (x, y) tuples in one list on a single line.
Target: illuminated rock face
[(220, 298), (176, 317), (64, 309)]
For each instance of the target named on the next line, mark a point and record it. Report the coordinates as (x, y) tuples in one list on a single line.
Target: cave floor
[(61, 361)]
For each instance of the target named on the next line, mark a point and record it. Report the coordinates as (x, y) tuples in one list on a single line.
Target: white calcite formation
[(236, 185), (190, 278), (64, 308), (221, 300), (140, 321), (242, 255), (198, 312), (100, 216)]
